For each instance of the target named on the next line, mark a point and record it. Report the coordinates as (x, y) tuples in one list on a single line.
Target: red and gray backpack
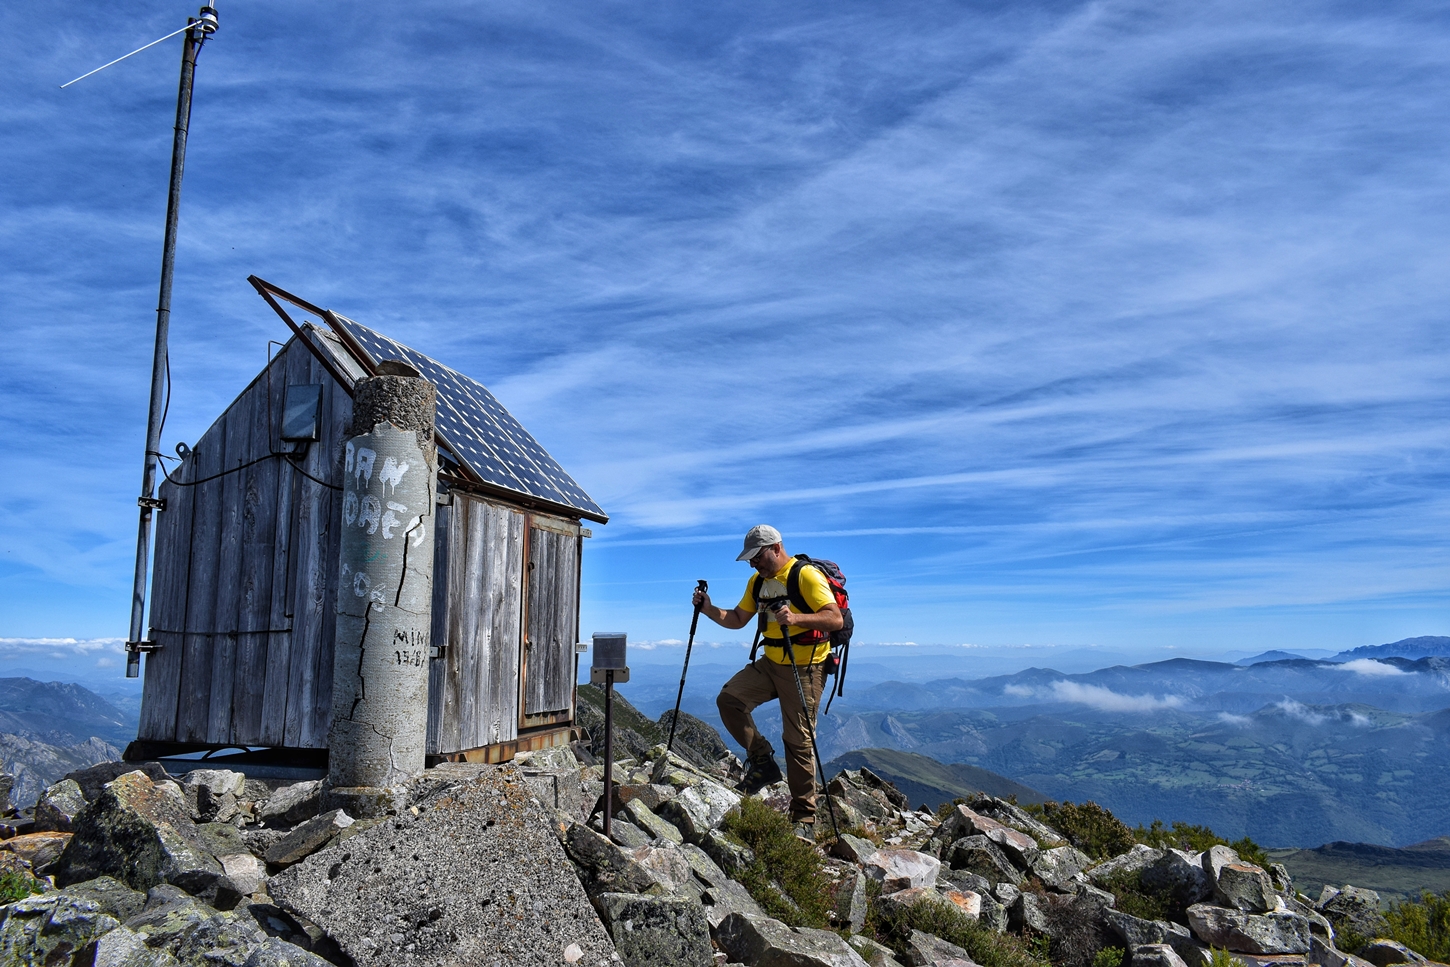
[(840, 639)]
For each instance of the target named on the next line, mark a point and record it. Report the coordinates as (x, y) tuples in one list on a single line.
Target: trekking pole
[(810, 729), (702, 587)]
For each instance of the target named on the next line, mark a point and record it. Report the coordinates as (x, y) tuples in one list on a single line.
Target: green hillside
[(927, 781), (1394, 873)]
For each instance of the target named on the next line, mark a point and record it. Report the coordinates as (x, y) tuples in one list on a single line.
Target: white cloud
[(12, 648), (1302, 712), (1095, 696), (1372, 668), (1229, 718)]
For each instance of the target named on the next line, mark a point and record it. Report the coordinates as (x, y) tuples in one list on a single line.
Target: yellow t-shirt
[(817, 594)]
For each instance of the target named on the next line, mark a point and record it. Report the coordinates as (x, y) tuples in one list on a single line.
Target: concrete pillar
[(385, 591)]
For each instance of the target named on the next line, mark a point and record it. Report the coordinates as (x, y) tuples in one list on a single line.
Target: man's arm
[(827, 619), (734, 618)]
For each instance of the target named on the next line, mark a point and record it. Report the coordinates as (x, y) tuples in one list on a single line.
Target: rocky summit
[(510, 865)]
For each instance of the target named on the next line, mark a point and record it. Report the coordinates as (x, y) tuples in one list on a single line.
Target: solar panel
[(475, 425)]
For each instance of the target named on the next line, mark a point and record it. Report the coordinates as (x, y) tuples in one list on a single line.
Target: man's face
[(769, 560)]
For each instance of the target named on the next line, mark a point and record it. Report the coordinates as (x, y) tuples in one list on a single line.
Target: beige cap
[(761, 535)]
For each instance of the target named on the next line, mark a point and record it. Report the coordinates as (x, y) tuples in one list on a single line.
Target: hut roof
[(475, 426)]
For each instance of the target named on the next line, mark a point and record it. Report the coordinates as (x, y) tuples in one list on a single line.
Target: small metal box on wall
[(247, 559)]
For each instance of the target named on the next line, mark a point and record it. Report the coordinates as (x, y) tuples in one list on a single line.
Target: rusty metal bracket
[(143, 647), (151, 503)]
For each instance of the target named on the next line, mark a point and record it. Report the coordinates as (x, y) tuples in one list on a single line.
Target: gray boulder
[(699, 808), (1235, 930), (1019, 819), (733, 857), (627, 835), (925, 950), (111, 896), (1324, 953), (53, 928), (138, 832), (1135, 931), (308, 838), (1129, 864), (212, 794), (962, 821), (1156, 955), (669, 866), (763, 942), (292, 804), (1214, 859), (1179, 873), (122, 947), (979, 855), (1354, 910), (655, 931), (1385, 953), (59, 806), (853, 848), (477, 876), (7, 782), (652, 795), (604, 867), (875, 954), (1057, 866), (1246, 887), (639, 813), (94, 778), (851, 902), (901, 869), (274, 952), (1025, 914)]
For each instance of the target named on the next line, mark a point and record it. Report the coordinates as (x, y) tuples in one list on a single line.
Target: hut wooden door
[(552, 623), (478, 583)]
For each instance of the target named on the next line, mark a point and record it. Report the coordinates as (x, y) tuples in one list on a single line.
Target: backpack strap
[(759, 630), (793, 585)]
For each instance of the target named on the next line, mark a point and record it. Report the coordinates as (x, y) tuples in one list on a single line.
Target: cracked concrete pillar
[(385, 588)]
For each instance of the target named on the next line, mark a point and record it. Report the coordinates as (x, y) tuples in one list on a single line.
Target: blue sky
[(1112, 324)]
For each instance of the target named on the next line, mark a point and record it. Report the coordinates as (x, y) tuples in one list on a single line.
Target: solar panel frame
[(492, 444)]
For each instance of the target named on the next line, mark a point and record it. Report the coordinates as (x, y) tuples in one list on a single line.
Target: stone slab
[(478, 876)]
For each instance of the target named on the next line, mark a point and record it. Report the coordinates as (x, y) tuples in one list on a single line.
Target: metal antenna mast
[(196, 31)]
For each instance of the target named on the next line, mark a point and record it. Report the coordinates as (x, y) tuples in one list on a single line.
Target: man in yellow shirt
[(773, 677)]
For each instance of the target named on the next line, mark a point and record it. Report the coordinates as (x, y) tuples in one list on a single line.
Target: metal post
[(608, 750), (192, 41)]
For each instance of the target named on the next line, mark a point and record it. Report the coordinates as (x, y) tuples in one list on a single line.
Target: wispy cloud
[(1300, 711), (1372, 668), (1095, 696)]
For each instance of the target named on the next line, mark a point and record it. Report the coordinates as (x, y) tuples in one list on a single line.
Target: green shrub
[(1088, 826), (787, 878), (1109, 957), (1222, 958), (1423, 925), (17, 885), (1196, 839), (986, 946)]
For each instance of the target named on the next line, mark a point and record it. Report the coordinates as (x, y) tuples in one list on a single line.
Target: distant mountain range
[(1396, 874), (50, 728)]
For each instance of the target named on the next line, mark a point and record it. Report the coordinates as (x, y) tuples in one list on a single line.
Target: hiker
[(772, 677)]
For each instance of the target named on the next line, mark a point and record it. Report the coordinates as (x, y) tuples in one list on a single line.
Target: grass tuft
[(1109, 957), (17, 885), (788, 876), (940, 919)]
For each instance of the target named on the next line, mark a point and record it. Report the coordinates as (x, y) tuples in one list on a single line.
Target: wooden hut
[(246, 565)]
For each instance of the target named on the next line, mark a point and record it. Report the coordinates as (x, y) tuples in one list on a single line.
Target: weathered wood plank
[(438, 632), (259, 484), (473, 630), (548, 683), (310, 603), (337, 410), (194, 695), (238, 451), (507, 627), (296, 371), (160, 690), (450, 735)]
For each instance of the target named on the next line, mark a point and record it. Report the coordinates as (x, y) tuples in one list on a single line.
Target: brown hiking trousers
[(758, 683)]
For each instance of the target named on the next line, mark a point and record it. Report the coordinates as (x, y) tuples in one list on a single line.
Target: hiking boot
[(762, 771)]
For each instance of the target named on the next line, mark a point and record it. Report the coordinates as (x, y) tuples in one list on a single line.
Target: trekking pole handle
[(703, 587)]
